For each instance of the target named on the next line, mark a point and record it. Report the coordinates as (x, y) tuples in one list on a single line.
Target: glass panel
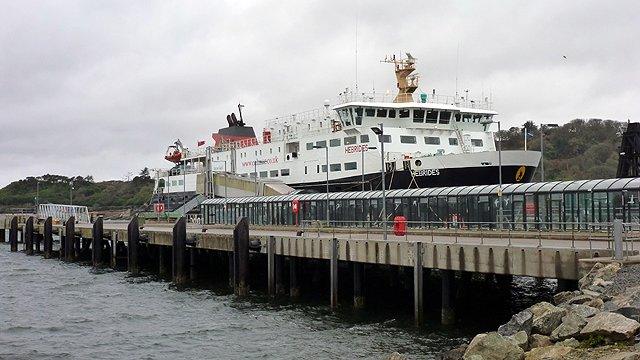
[(418, 115), (445, 117), (432, 116)]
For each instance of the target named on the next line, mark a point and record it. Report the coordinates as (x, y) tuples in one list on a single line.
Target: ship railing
[(292, 119), (430, 98)]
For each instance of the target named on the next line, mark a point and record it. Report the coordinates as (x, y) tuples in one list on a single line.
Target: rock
[(599, 275), (565, 296), (521, 321), (581, 299), (596, 303), (625, 355), (453, 354), (548, 353), (626, 303), (570, 327), (492, 346), (521, 339), (584, 311), (546, 317), (571, 342), (538, 340), (614, 327), (396, 356)]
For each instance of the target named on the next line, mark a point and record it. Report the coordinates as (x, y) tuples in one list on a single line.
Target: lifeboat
[(173, 154)]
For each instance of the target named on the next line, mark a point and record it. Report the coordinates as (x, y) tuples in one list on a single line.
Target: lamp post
[(380, 132), (71, 192), (500, 211), (362, 163), (542, 127), (326, 148)]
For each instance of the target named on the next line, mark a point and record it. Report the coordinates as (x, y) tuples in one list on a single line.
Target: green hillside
[(96, 195), (580, 149)]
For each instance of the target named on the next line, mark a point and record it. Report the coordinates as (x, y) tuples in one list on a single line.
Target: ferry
[(431, 141)]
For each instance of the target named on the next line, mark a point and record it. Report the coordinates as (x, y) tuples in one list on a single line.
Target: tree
[(144, 173)]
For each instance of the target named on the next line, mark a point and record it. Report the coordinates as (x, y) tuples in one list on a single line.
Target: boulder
[(614, 327), (598, 276), (571, 342), (565, 296), (626, 303), (584, 311), (492, 346), (538, 340), (580, 299), (453, 354), (625, 355), (570, 327), (546, 317), (521, 321), (548, 353), (596, 303), (396, 356), (521, 338)]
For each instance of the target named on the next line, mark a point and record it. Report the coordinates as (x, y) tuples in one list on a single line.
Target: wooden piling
[(37, 239), (448, 316), (418, 301), (28, 236), (192, 264), (13, 234), (114, 249), (358, 285), (294, 287), (133, 241), (271, 266), (97, 233), (333, 268), (69, 236), (48, 238), (241, 257), (178, 251), (3, 235), (279, 263), (163, 271)]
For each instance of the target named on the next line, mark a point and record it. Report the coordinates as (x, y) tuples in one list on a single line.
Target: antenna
[(457, 63), (356, 51)]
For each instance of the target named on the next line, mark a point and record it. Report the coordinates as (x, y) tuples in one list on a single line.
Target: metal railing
[(432, 99), (62, 213)]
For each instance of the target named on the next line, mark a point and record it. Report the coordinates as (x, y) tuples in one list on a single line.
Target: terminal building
[(557, 205)]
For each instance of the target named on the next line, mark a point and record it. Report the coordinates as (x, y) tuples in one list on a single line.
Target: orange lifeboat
[(173, 154)]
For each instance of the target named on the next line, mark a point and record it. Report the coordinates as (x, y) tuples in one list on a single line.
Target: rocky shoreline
[(598, 321)]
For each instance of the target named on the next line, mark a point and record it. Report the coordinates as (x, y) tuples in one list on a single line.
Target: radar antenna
[(407, 83)]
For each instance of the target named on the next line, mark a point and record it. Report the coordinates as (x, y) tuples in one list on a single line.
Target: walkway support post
[(358, 285), (179, 251), (48, 238), (114, 249), (279, 263), (448, 316), (333, 268), (28, 236), (69, 236), (418, 285), (271, 266), (97, 234), (617, 239), (13, 234), (133, 241), (162, 262), (294, 288), (241, 257)]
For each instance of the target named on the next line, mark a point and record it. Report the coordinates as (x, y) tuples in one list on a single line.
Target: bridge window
[(466, 117), (476, 142), (273, 173), (392, 113), (309, 146), (418, 116), (334, 142), (432, 140), (453, 141), (370, 112), (364, 138), (432, 116), (382, 113), (386, 139), (445, 117), (285, 172), (351, 166), (321, 144), (335, 167), (403, 113), (350, 140), (405, 139), (263, 174), (458, 117), (324, 168), (359, 111), (477, 118)]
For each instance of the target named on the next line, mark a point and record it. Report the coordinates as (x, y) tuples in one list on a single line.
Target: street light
[(326, 148), (488, 122), (362, 150), (542, 127), (380, 132), (71, 192)]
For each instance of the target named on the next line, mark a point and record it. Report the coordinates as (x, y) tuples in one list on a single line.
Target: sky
[(102, 88)]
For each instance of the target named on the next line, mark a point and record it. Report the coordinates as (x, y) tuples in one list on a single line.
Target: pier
[(282, 252)]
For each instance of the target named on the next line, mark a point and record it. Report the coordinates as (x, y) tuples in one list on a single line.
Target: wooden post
[(358, 285), (241, 257), (192, 264), (162, 262), (232, 274), (271, 266), (97, 234), (279, 259), (447, 315), (13, 234), (178, 251), (28, 236), (114, 249), (333, 268), (69, 236), (294, 288), (48, 238), (37, 238), (133, 241), (418, 285), (3, 235)]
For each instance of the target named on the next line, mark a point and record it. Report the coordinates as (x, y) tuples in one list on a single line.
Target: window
[(466, 117), (180, 182), (334, 142), (358, 116), (263, 174), (403, 113), (321, 144), (453, 141), (476, 142), (324, 168), (370, 112), (432, 140), (309, 146), (364, 138), (445, 117), (386, 139), (350, 140), (351, 166), (432, 116), (392, 113), (359, 111), (418, 115), (335, 167), (284, 172), (477, 118), (382, 113), (407, 139), (273, 173), (457, 117)]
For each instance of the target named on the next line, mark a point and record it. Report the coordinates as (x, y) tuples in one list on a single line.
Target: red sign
[(158, 207), (295, 206), (530, 208)]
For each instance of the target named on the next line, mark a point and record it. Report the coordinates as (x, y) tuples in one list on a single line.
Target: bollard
[(13, 234), (28, 236), (69, 236), (97, 233), (617, 239), (241, 257), (179, 251), (418, 285), (48, 238), (133, 240), (333, 268)]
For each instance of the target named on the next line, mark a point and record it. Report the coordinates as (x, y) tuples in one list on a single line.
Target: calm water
[(51, 309)]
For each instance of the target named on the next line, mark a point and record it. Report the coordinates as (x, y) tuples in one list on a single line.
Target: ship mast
[(406, 82)]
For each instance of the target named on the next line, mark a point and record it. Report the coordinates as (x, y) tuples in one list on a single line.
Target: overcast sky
[(102, 87)]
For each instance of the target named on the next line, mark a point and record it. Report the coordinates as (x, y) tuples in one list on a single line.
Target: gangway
[(61, 213)]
